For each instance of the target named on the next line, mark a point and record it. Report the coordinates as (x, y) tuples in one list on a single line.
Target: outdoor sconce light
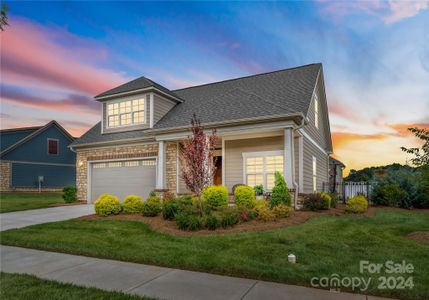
[(80, 163)]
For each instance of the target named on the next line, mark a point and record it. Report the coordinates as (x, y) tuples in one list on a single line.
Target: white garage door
[(121, 178)]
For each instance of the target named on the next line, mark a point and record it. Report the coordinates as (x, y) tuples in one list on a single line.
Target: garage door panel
[(121, 180)]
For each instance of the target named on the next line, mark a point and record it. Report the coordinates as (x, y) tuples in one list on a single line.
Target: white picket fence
[(349, 189)]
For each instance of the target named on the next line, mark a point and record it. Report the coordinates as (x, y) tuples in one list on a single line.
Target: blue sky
[(57, 55)]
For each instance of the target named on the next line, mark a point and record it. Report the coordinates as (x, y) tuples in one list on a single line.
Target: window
[(260, 168), (314, 174), (316, 111), (126, 113), (53, 146)]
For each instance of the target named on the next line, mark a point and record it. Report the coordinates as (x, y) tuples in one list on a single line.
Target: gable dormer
[(135, 105)]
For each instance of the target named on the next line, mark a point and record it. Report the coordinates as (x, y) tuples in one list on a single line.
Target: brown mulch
[(419, 236), (296, 217), (68, 204)]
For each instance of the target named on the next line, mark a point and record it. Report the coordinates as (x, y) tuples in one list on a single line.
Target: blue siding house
[(37, 156)]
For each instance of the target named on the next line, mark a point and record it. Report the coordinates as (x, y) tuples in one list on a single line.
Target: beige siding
[(161, 107), (311, 150), (318, 134), (234, 159)]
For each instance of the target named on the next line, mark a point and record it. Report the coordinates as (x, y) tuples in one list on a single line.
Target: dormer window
[(316, 112), (126, 113)]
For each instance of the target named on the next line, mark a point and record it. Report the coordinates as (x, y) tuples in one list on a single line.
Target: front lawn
[(16, 286), (23, 201), (324, 246)]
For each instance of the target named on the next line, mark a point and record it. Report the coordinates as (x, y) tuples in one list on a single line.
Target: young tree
[(3, 17), (421, 156), (196, 157)]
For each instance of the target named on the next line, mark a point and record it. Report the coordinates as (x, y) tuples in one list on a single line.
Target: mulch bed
[(68, 204), (165, 226), (419, 236)]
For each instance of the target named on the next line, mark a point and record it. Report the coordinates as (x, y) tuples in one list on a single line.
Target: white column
[(223, 162), (288, 157), (160, 166)]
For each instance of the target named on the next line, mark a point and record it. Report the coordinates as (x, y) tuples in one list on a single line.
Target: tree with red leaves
[(196, 158)]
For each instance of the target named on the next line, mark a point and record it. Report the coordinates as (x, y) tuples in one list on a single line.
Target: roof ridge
[(248, 76)]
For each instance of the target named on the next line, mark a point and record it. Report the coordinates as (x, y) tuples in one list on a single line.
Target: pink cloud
[(389, 11), (31, 52)]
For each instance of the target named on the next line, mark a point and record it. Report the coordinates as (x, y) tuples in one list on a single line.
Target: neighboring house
[(269, 122), (336, 168), (28, 154)]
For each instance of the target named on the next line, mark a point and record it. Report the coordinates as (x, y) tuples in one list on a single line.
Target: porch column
[(160, 166), (288, 157)]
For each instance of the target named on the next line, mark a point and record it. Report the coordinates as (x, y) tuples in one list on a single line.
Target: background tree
[(3, 17), (196, 157), (421, 156)]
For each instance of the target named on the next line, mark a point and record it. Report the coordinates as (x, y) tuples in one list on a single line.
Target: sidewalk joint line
[(247, 292), (147, 281)]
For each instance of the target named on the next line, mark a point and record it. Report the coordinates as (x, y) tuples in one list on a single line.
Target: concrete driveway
[(25, 218)]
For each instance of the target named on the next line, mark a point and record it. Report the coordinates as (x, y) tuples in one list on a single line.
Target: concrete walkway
[(152, 281), (24, 218)]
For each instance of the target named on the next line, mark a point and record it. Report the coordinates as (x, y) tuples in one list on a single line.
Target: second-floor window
[(125, 113), (53, 146)]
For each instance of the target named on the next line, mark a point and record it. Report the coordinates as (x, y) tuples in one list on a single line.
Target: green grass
[(323, 246), (17, 201), (24, 287)]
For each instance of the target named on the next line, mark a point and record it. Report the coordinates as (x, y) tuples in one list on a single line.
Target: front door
[(217, 180)]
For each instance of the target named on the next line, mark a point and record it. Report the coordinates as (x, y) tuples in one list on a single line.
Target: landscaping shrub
[(132, 204), (259, 189), (236, 186), (70, 194), (170, 208), (266, 215), (229, 216), (152, 206), (152, 194), (327, 198), (244, 196), (167, 196), (335, 198), (245, 214), (280, 192), (281, 211), (259, 205), (188, 222), (421, 199), (315, 202), (212, 222), (357, 204), (216, 195), (389, 195), (107, 205)]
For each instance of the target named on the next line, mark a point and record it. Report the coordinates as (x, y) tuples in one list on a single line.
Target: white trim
[(58, 146), (301, 163), (40, 163), (151, 110), (223, 162), (308, 137), (137, 92), (102, 117), (89, 171), (177, 168), (314, 173), (288, 157), (160, 165)]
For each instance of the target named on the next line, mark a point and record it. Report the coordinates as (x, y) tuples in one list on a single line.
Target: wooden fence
[(349, 189)]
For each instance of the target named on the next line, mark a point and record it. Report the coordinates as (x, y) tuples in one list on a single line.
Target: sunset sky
[(55, 56)]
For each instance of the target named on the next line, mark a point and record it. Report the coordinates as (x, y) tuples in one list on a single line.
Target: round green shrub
[(280, 192), (132, 204), (69, 194), (170, 208), (389, 195), (281, 211), (216, 195), (229, 216), (152, 206), (357, 204), (315, 202), (212, 222), (107, 205), (327, 198), (244, 196)]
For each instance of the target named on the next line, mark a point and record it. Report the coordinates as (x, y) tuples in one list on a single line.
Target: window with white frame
[(259, 168), (314, 174), (126, 113), (316, 111)]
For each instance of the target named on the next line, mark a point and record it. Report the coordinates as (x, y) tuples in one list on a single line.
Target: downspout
[(304, 121)]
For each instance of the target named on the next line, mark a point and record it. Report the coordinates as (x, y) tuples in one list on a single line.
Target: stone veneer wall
[(108, 153), (171, 166), (5, 174)]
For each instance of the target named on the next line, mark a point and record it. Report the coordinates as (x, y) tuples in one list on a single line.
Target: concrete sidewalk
[(152, 281), (25, 218)]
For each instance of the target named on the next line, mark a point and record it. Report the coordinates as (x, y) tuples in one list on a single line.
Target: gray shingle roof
[(280, 92), (136, 84)]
